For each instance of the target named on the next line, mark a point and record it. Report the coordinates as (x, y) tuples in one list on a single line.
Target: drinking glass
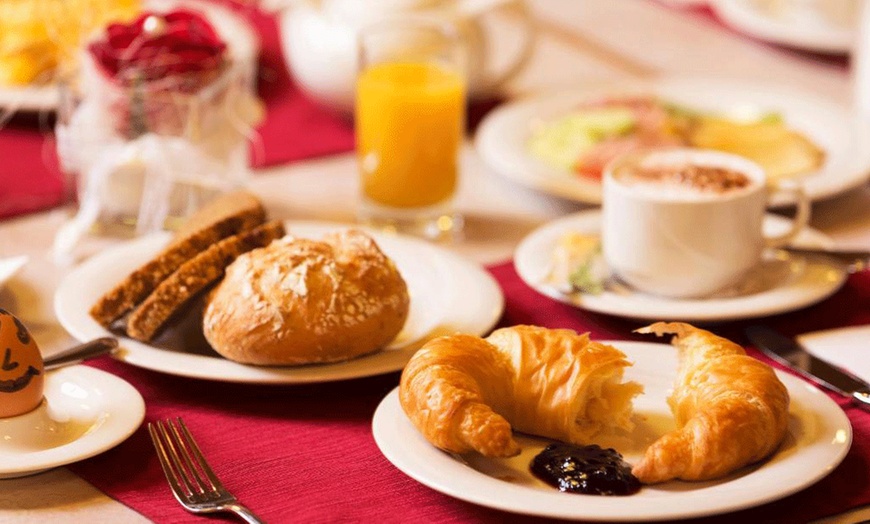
[(410, 120)]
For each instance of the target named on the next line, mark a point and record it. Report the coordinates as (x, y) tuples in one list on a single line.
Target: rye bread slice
[(194, 276), (222, 217)]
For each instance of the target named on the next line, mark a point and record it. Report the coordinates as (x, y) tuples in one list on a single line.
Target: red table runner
[(306, 453)]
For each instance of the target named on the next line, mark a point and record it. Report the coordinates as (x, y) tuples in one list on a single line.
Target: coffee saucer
[(780, 283)]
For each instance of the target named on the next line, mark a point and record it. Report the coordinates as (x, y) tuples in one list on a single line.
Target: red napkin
[(306, 453), (295, 128), (30, 178)]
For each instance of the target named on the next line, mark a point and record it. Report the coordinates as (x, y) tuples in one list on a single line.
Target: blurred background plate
[(503, 137), (242, 41), (793, 24)]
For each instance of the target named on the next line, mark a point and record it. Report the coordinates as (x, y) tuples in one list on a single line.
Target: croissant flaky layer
[(731, 410), (466, 393)]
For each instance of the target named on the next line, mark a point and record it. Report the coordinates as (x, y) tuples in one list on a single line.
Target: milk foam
[(638, 180)]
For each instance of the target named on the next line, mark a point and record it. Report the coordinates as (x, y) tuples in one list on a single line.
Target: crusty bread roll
[(301, 301)]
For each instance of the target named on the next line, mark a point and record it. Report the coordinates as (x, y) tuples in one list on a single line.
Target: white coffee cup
[(672, 238)]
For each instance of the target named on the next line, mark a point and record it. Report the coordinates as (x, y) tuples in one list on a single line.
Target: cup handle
[(476, 9), (801, 217)]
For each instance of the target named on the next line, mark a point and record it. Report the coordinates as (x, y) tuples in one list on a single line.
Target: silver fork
[(192, 480)]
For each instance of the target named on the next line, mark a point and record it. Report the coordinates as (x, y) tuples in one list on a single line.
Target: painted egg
[(21, 370)]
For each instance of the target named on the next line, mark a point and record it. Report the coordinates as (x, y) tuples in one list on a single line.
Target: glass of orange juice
[(410, 120)]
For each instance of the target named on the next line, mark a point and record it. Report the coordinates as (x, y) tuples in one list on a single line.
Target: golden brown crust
[(221, 218), (301, 301), (454, 389), (731, 410), (193, 276), (465, 393)]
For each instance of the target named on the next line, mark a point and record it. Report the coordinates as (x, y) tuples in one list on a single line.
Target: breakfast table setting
[(283, 99)]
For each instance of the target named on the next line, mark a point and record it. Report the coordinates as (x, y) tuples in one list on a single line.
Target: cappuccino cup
[(686, 223)]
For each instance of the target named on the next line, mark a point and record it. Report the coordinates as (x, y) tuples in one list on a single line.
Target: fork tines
[(192, 480), (185, 468)]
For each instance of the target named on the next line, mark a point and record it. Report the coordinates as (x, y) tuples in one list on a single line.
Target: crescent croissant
[(731, 410), (465, 393)]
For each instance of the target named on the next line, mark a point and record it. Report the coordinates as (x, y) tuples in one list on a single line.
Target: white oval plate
[(807, 31), (448, 294), (819, 436), (775, 287), (85, 412), (503, 135)]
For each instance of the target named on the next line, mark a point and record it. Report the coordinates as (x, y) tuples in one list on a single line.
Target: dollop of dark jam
[(585, 469)]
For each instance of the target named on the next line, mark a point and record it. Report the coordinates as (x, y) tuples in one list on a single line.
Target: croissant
[(731, 410), (466, 393)]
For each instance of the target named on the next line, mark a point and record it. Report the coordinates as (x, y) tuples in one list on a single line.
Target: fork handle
[(243, 512)]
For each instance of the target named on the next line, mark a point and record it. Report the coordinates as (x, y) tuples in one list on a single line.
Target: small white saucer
[(795, 26), (85, 412), (779, 284)]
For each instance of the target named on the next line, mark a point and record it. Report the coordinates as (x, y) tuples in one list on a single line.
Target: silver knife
[(854, 260), (790, 353), (76, 354)]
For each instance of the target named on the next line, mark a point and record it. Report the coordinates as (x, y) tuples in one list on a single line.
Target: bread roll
[(300, 301)]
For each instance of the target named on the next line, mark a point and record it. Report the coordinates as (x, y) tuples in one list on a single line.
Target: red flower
[(160, 45)]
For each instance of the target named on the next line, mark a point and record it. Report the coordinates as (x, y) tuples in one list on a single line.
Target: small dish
[(779, 284), (502, 140), (448, 294), (85, 412), (795, 27), (819, 437)]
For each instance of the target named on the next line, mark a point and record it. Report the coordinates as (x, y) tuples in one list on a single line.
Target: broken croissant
[(731, 410), (466, 393)]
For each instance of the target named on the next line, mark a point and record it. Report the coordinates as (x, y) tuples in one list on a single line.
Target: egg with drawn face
[(21, 369)]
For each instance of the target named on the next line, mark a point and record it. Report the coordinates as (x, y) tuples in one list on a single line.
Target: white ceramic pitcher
[(319, 39)]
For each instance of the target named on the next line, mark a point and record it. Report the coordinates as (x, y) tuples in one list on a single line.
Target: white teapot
[(319, 40)]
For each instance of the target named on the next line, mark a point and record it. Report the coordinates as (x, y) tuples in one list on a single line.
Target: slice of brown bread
[(193, 276), (222, 217), (237, 203)]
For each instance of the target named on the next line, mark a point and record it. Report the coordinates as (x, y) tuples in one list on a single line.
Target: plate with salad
[(559, 143)]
